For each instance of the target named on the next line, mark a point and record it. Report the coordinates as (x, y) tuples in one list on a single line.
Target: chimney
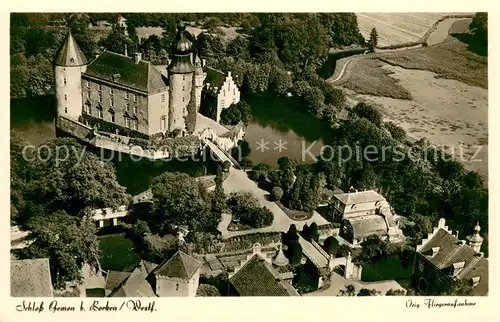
[(229, 74), (137, 57), (456, 234), (203, 62), (457, 268), (442, 223), (435, 250)]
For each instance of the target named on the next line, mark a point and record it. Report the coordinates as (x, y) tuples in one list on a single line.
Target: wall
[(68, 96), (228, 94), (120, 101), (179, 96), (157, 110), (175, 288)]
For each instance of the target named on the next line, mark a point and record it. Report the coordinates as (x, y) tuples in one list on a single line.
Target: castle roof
[(365, 226), (352, 198), (181, 266), (215, 77), (183, 43), (280, 259), (258, 278), (123, 70), (70, 54), (30, 278), (133, 285), (449, 250)]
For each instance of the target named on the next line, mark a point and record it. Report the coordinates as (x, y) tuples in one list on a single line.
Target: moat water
[(287, 129)]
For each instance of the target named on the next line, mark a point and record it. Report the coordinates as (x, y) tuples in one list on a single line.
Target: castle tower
[(199, 79), (180, 76), (69, 63), (475, 240)]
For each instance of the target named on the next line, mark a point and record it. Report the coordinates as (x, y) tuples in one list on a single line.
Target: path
[(314, 255), (238, 181), (338, 283), (436, 37)]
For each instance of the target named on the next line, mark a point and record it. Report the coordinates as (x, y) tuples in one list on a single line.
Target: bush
[(246, 209), (369, 112), (397, 132), (294, 253), (246, 163), (239, 112), (277, 193)]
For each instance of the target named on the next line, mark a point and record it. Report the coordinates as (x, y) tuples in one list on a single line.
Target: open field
[(449, 113), (449, 60), (397, 27), (368, 78)]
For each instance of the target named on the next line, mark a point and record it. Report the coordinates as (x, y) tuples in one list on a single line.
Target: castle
[(131, 97)]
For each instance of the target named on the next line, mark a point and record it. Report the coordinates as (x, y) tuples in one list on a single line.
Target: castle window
[(183, 88), (111, 101), (224, 92), (72, 60), (183, 77), (65, 97), (163, 98), (99, 87), (176, 287), (88, 94), (64, 81), (111, 91), (234, 91), (126, 120), (127, 107), (135, 109), (163, 123), (135, 124), (100, 114), (134, 97), (112, 113), (66, 110), (183, 99), (100, 97), (88, 109), (127, 95), (87, 84)]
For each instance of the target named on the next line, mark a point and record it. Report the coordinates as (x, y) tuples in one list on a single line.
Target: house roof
[(352, 198), (142, 76), (180, 266), (70, 54), (115, 278), (280, 259), (30, 278), (214, 77), (257, 278), (136, 285), (451, 250), (368, 225)]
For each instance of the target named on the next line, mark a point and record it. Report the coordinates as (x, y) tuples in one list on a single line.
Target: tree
[(294, 253), (218, 196), (277, 193), (368, 292), (397, 132), (280, 81), (235, 113), (313, 231), (227, 165), (260, 172), (291, 235), (398, 292), (179, 200), (66, 177), (207, 290), (286, 177), (348, 291), (246, 163), (141, 228), (372, 42), (116, 40), (245, 208), (67, 242), (368, 112), (331, 245)]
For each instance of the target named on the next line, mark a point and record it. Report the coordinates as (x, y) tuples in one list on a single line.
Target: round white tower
[(475, 240), (67, 75), (180, 76)]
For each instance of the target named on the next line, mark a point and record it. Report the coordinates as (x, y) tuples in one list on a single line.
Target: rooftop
[(142, 76), (368, 225), (214, 77), (451, 250), (70, 54), (352, 198), (30, 278), (258, 278), (135, 285), (180, 266)]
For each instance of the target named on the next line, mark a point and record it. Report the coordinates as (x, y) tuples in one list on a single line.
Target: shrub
[(245, 208), (277, 193)]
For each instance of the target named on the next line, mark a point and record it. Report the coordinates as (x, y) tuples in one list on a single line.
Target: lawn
[(386, 269), (367, 77), (118, 253)]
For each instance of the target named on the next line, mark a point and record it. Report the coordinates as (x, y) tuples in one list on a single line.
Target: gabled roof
[(120, 69), (180, 266), (214, 77), (115, 278), (257, 278), (136, 285), (353, 198), (70, 54), (30, 278), (451, 251)]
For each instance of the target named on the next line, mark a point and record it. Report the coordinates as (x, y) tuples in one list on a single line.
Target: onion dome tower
[(475, 240), (69, 64), (180, 75)]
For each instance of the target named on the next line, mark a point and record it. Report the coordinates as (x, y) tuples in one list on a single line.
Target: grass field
[(386, 269), (368, 78), (397, 27), (118, 253)]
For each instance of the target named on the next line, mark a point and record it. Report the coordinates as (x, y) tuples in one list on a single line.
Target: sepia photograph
[(248, 154)]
